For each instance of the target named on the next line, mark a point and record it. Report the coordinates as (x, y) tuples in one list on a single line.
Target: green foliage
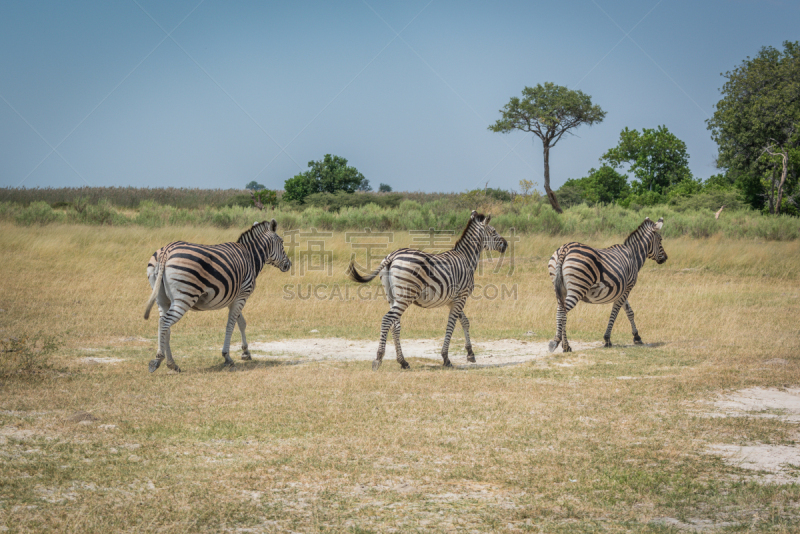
[(328, 175), (603, 186), (760, 109), (264, 198), (242, 200), (27, 355), (340, 199), (120, 197), (384, 188), (718, 181), (254, 186), (38, 212), (656, 158), (364, 186)]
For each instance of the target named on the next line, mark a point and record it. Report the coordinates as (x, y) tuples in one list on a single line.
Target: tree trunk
[(785, 158), (551, 196)]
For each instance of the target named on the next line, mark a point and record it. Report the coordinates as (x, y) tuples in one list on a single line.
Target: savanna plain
[(623, 439)]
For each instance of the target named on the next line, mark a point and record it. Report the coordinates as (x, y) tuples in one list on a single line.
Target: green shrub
[(26, 355), (38, 212)]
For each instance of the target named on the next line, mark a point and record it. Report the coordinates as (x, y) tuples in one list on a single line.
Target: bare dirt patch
[(780, 462), (488, 354)]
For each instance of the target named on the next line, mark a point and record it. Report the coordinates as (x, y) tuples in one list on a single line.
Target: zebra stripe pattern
[(185, 276), (410, 276), (601, 276)]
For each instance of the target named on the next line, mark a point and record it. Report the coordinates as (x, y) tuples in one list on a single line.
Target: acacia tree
[(548, 111), (328, 175), (757, 121)]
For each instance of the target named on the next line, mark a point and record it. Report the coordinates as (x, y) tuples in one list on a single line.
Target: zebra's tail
[(558, 280), (161, 265), (355, 276)]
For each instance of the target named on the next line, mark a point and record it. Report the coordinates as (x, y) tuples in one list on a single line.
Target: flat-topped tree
[(548, 111)]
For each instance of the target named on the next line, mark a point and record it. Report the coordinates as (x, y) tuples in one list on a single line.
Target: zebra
[(410, 276), (600, 276), (185, 276)]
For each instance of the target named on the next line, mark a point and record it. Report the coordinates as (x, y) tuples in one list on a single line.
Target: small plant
[(27, 354), (264, 198)]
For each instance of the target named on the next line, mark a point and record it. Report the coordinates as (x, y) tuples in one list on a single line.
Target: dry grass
[(332, 446)]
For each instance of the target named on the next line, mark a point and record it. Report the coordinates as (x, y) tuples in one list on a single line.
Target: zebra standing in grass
[(187, 277), (410, 276), (600, 276)]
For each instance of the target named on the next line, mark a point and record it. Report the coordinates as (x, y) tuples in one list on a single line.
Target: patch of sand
[(780, 462), (490, 353)]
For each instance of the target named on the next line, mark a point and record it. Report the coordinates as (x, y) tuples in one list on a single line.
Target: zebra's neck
[(638, 243), (258, 252), (470, 244)]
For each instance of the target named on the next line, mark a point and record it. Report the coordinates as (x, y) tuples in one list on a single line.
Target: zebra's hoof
[(471, 358), (447, 363), (637, 340), (405, 365), (567, 349), (552, 346), (247, 357), (154, 364), (376, 364), (607, 344)]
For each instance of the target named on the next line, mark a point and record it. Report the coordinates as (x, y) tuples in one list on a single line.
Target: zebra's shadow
[(251, 365)]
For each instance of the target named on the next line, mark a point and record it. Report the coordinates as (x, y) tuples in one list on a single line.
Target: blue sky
[(215, 94)]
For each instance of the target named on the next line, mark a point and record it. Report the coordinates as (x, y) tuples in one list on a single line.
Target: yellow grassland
[(333, 447)]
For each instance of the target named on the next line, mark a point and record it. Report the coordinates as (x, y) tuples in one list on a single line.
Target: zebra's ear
[(473, 214), (660, 223), (273, 225), (487, 219)]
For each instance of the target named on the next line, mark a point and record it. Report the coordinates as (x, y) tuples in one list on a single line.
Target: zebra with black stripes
[(600, 276), (410, 276), (185, 276)]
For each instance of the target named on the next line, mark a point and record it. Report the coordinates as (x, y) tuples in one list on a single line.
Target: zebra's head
[(656, 250), (263, 236), (492, 240)]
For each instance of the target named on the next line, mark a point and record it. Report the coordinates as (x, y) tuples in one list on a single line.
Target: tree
[(603, 186), (254, 186), (548, 111), (364, 185), (328, 175), (756, 123), (657, 159), (385, 188)]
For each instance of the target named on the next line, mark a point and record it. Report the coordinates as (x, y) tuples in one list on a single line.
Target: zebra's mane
[(255, 229), (647, 223), (479, 217)]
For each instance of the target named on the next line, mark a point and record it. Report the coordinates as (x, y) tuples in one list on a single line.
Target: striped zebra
[(185, 276), (410, 276), (600, 276)]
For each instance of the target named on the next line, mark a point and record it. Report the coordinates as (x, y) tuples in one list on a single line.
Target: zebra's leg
[(561, 330), (468, 345), (629, 312), (396, 334), (234, 312), (176, 310), (614, 311), (388, 321), (156, 363), (242, 325), (455, 313)]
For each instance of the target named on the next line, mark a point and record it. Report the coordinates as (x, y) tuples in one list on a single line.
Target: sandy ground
[(780, 464), (491, 353)]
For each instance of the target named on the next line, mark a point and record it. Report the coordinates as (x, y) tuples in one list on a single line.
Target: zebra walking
[(410, 276), (185, 276), (600, 276)]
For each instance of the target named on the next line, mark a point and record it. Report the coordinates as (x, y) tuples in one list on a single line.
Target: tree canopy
[(254, 186), (548, 111), (328, 175), (757, 124), (657, 159)]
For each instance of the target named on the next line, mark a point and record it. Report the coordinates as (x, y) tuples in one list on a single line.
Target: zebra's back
[(216, 275)]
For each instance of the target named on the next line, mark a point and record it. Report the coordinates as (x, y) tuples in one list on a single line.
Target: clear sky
[(214, 94)]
